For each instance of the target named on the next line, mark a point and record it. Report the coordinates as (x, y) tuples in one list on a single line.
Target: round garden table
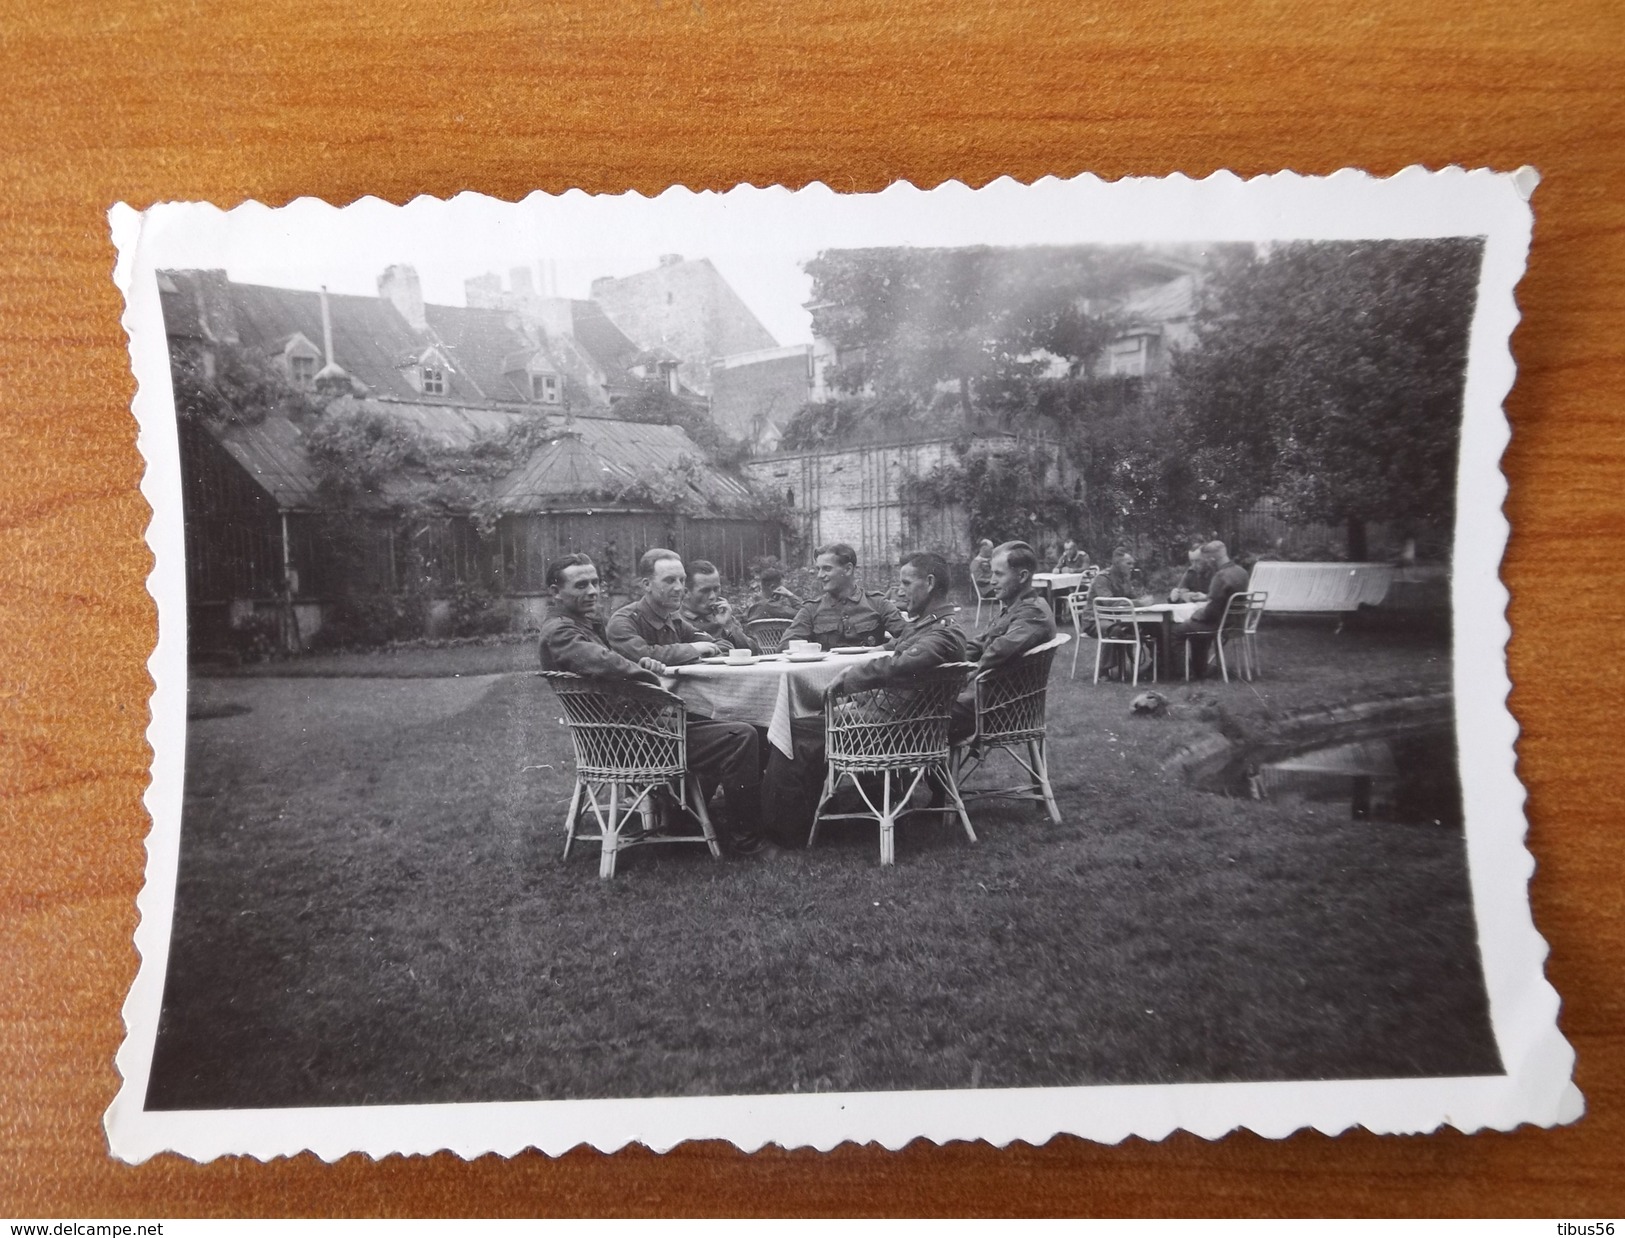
[(768, 691)]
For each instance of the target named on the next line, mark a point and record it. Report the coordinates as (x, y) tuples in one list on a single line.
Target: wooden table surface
[(144, 102)]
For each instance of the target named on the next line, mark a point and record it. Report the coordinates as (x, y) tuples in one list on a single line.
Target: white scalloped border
[(1537, 1087)]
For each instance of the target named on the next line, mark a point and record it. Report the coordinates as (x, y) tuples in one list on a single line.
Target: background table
[(768, 692), (1051, 581), (1164, 616), (152, 100)]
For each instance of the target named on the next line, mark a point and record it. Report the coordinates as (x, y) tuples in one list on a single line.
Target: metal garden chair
[(1239, 624), (895, 730), (985, 596), (768, 633), (630, 740), (1011, 706), (1077, 610), (1112, 616)]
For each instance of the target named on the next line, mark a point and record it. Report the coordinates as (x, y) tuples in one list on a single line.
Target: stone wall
[(687, 308), (753, 395), (853, 495)]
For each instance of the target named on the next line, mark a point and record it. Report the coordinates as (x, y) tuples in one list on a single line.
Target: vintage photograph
[(916, 654)]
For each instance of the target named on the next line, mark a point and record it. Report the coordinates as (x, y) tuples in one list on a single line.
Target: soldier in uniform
[(845, 614), (776, 601), (707, 611), (792, 787), (652, 626), (723, 752), (1024, 622)]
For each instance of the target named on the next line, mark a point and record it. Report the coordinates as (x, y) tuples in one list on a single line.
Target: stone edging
[(1215, 749)]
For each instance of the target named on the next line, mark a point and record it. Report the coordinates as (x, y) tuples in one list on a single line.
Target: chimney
[(327, 328), (331, 374), (519, 279), (216, 314), (670, 260), (399, 286)]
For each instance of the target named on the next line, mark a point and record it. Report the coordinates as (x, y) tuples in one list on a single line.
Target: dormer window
[(434, 380), (544, 388), (300, 362)]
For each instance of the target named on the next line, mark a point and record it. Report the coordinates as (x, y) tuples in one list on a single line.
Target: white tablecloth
[(766, 693), (1058, 580), (1181, 611)]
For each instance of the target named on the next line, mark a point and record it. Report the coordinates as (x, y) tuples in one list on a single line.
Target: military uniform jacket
[(866, 618), (1197, 577), (1024, 624), (1230, 579), (925, 642), (1110, 585), (580, 647), (1074, 562), (639, 631), (782, 605)]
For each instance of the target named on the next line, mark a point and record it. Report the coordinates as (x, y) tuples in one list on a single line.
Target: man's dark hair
[(701, 567), (1019, 556), (844, 554), (1120, 552), (928, 563), (772, 578), (557, 567), (653, 555)]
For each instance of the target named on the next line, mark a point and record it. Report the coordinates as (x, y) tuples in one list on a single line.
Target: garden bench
[(1321, 588)]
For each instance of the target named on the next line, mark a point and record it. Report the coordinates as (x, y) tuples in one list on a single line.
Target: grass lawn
[(372, 909)]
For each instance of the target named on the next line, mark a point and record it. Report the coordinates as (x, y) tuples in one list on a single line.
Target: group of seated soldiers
[(682, 617)]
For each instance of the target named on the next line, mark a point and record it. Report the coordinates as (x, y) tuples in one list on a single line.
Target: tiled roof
[(1161, 303), (273, 454), (594, 455), (585, 459), (479, 343), (604, 342)]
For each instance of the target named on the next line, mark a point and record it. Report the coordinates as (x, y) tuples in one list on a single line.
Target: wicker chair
[(1011, 703), (767, 633), (1239, 624), (630, 740), (898, 729)]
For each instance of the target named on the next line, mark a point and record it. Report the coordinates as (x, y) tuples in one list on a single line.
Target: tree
[(911, 321), (1329, 376), (229, 384)]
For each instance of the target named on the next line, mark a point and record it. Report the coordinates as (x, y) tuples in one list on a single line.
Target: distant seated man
[(845, 614), (981, 568), (775, 602), (1024, 622), (707, 611), (573, 640), (1072, 558), (1192, 586), (653, 626), (1227, 579), (791, 790)]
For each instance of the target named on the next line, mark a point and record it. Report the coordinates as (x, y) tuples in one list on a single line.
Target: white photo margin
[(1537, 1087)]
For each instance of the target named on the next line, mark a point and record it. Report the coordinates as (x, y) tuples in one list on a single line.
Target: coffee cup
[(739, 655)]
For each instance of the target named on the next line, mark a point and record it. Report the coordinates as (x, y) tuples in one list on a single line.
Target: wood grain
[(145, 102)]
